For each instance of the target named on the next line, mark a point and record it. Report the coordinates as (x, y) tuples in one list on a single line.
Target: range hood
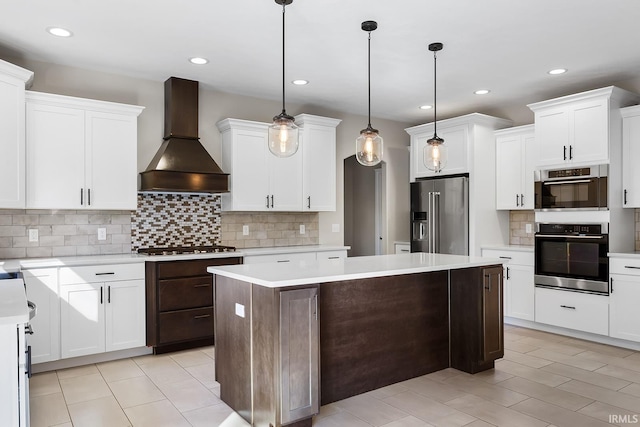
[(182, 164)]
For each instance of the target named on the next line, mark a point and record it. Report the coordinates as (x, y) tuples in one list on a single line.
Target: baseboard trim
[(87, 360)]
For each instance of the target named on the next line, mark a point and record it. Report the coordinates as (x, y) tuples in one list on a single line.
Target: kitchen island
[(292, 336)]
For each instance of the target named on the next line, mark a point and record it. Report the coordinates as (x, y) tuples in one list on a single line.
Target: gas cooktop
[(181, 250)]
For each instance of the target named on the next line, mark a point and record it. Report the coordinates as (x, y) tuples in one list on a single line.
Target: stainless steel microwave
[(578, 188)]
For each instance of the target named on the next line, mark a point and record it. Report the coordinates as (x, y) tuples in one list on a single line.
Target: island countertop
[(275, 275)]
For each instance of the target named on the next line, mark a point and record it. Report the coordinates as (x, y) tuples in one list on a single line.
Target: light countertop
[(13, 302), (633, 255), (274, 275)]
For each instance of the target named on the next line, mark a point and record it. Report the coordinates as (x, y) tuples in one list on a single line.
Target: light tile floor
[(543, 380)]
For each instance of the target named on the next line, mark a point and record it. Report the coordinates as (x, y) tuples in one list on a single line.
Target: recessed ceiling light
[(59, 32), (300, 82), (558, 71), (425, 107), (198, 61), (482, 91)]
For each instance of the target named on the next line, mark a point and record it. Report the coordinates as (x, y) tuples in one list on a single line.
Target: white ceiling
[(506, 46)]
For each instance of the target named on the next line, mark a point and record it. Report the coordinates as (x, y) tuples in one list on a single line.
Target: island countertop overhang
[(276, 275)]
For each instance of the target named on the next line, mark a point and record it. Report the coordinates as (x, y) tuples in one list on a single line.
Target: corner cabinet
[(81, 154), (318, 141), (260, 181), (631, 156), (515, 164), (13, 80), (578, 129)]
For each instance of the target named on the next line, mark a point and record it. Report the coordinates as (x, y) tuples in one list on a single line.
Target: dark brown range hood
[(182, 164)]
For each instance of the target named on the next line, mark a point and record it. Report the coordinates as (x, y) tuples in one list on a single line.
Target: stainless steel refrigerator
[(440, 215)]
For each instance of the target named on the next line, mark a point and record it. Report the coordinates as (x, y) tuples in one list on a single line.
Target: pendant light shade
[(435, 152), (283, 132), (369, 144)]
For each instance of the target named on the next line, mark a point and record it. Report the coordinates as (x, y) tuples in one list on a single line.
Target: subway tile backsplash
[(268, 229), (518, 221)]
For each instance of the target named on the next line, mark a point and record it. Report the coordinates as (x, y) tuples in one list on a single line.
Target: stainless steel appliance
[(572, 257), (182, 250), (580, 188), (440, 215)]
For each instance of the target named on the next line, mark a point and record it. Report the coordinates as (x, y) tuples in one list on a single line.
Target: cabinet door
[(285, 185), (82, 319), (111, 153), (55, 157), (42, 289), (590, 132), (299, 354), (529, 162), (12, 143), (552, 136), (624, 317), (125, 315), (509, 172), (319, 168), (519, 292), (250, 176), (455, 139), (492, 315), (630, 162)]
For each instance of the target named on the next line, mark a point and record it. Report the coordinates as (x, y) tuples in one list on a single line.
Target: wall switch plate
[(302, 229), (528, 228), (245, 230), (33, 234), (102, 233), (239, 310), (335, 228)]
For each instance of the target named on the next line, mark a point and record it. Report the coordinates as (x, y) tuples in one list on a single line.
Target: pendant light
[(283, 132), (435, 152), (369, 143)]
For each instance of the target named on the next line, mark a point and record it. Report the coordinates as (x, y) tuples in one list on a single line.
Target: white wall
[(216, 105)]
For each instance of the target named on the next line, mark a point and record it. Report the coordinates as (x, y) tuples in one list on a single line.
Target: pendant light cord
[(369, 76), (435, 103), (283, 64)]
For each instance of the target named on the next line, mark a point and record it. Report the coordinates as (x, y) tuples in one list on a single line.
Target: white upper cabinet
[(13, 80), (318, 141), (81, 154), (577, 130), (631, 157), (456, 139), (515, 159), (260, 181)]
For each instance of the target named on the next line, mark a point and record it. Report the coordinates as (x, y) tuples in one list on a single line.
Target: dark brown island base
[(291, 338)]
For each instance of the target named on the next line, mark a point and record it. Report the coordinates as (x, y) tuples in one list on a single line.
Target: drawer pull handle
[(334, 257), (284, 260), (105, 274), (202, 316), (505, 257), (206, 285), (568, 306), (632, 267), (404, 250)]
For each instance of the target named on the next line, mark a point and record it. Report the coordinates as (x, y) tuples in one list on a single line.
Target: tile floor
[(543, 380)]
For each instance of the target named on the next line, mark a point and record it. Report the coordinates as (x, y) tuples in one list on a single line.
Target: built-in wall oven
[(579, 188), (572, 257)]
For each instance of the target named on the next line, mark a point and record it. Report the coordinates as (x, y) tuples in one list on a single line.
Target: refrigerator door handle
[(436, 222), (429, 213)]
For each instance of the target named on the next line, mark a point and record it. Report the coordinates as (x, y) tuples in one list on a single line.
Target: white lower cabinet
[(624, 316), (573, 310), (42, 289), (281, 258), (331, 255), (102, 309), (519, 290)]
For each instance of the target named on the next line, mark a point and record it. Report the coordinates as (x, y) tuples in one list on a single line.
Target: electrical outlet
[(33, 234), (302, 229), (102, 234), (335, 228), (528, 228), (245, 230)]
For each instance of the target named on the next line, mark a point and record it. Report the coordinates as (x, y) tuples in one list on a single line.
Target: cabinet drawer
[(513, 257), (283, 258), (192, 267), (573, 310), (331, 255), (402, 248), (101, 273), (630, 266), (177, 294), (185, 325)]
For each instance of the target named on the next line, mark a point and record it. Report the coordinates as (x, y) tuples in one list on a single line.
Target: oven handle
[(569, 237), (577, 181)]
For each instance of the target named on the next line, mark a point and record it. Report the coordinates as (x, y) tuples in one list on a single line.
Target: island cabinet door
[(299, 354), (492, 343)]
